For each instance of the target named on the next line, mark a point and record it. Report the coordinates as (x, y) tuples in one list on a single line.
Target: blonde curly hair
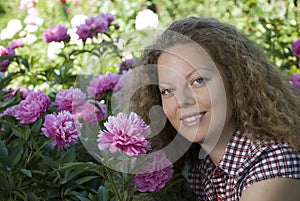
[(265, 106)]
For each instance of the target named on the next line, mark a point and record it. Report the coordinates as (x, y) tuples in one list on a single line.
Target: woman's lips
[(193, 119)]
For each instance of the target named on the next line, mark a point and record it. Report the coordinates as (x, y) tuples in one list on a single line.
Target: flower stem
[(112, 181)]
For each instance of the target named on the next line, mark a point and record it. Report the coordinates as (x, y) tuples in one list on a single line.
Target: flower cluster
[(295, 75), (94, 25), (74, 101), (128, 134), (157, 171), (64, 127), (102, 83), (126, 65), (296, 48), (295, 80), (31, 108), (3, 52), (56, 33)]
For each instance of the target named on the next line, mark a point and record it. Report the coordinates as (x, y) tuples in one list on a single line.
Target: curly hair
[(265, 106)]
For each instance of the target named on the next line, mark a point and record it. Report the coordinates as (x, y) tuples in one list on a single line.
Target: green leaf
[(36, 127), (86, 179), (82, 198), (32, 196), (15, 156), (49, 162), (70, 155), (102, 194), (3, 153), (25, 62), (26, 172)]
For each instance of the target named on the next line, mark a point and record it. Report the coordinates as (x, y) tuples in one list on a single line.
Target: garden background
[(31, 168)]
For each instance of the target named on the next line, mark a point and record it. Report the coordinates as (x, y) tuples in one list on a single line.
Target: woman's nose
[(185, 97)]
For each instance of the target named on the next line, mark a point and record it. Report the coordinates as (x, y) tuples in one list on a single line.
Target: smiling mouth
[(193, 118)]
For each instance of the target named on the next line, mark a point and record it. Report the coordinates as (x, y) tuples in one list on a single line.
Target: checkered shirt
[(243, 164)]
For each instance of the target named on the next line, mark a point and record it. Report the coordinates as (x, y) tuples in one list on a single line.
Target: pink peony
[(91, 113), (69, 99), (102, 83), (64, 127), (56, 33), (154, 176), (296, 48), (16, 43), (30, 109), (5, 52), (295, 80), (125, 134), (126, 65), (94, 25)]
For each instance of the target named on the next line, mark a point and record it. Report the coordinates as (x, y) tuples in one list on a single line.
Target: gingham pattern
[(242, 164)]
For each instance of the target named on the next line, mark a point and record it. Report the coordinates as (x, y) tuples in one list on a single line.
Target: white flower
[(78, 20), (31, 28), (53, 49), (13, 27), (146, 19), (29, 39)]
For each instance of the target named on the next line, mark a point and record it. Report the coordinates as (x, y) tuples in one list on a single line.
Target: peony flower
[(296, 48), (155, 174), (91, 113), (126, 65), (56, 33), (69, 99), (146, 19), (102, 83), (295, 80), (30, 109), (23, 93), (16, 43), (64, 127), (94, 25), (33, 17), (125, 134), (27, 3), (5, 52)]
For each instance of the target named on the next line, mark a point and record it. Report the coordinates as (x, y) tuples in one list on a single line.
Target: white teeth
[(193, 118)]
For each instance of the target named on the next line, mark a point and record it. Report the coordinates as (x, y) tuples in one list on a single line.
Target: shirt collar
[(235, 153)]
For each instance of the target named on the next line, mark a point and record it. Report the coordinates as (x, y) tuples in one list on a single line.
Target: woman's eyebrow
[(196, 70)]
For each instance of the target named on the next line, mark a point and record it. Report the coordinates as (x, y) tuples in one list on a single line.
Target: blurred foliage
[(273, 24)]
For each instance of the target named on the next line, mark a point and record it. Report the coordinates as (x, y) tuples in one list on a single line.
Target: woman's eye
[(166, 91), (198, 81)]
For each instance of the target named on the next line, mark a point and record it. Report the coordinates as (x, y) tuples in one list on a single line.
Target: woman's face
[(193, 93)]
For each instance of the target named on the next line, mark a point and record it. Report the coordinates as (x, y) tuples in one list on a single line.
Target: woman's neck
[(217, 150)]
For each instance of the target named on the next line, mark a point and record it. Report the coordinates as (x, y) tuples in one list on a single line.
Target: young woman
[(219, 91)]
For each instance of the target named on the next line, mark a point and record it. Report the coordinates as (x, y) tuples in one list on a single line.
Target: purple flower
[(295, 80), (125, 134), (30, 109), (155, 174), (108, 17), (69, 99), (102, 83), (94, 25), (90, 112), (126, 65), (296, 48), (64, 127), (23, 93), (16, 43), (84, 32), (56, 33), (5, 52)]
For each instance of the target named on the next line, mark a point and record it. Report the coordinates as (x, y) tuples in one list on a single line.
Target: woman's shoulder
[(267, 161)]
